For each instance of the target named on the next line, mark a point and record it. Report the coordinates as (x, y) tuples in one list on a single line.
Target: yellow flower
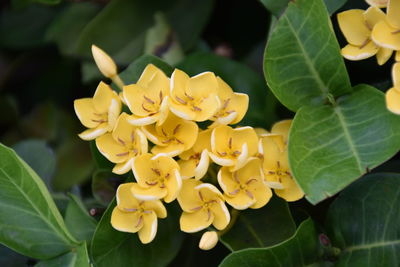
[(377, 3), (148, 98), (157, 177), (173, 137), (125, 143), (194, 98), (386, 33), (208, 240), (245, 187), (132, 215), (194, 162), (99, 113), (276, 168), (356, 26), (202, 205), (393, 94), (233, 105), (232, 147)]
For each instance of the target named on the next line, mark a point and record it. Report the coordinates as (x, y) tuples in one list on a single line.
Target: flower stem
[(118, 81)]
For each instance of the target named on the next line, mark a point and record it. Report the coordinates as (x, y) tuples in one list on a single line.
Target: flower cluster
[(373, 32), (172, 158)]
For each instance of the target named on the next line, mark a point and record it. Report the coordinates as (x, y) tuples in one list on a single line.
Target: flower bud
[(208, 240), (104, 62)]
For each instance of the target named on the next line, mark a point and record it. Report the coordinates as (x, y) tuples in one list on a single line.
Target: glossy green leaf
[(69, 24), (302, 63), (78, 221), (364, 222), (74, 164), (29, 220), (300, 250), (113, 248), (276, 7), (104, 185), (330, 147), (132, 73), (78, 257), (242, 79), (39, 156), (263, 227), (334, 5)]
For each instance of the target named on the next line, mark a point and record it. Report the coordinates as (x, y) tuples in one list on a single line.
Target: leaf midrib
[(372, 245)]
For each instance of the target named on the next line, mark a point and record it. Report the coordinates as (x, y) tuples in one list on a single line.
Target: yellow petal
[(224, 90), (149, 193), (103, 96), (386, 36), (85, 111), (174, 185), (393, 100), (196, 221), (221, 215), (240, 201), (396, 75), (182, 111), (282, 128), (188, 198), (111, 149), (261, 131), (226, 180), (377, 3), (179, 84), (171, 150), (93, 133), (125, 200), (207, 108), (208, 192), (142, 101), (291, 191), (352, 52), (272, 148), (203, 85), (383, 55), (245, 135), (122, 168), (123, 130), (187, 168), (202, 167), (373, 15), (156, 206), (147, 75), (142, 121), (393, 11), (353, 26), (397, 58), (261, 193), (113, 113), (241, 104), (203, 142), (125, 221), (149, 229)]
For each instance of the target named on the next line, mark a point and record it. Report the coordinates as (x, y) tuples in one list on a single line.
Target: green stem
[(118, 81)]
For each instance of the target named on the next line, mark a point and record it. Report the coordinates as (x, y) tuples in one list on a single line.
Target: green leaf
[(69, 24), (100, 161), (302, 63), (104, 185), (39, 156), (263, 227), (300, 250), (113, 248), (78, 221), (78, 257), (74, 164), (242, 79), (330, 147), (29, 220), (276, 7), (364, 222), (132, 73), (120, 27), (334, 5)]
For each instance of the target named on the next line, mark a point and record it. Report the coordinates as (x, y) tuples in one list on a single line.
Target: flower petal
[(397, 58), (113, 112), (208, 192), (122, 168), (125, 199), (171, 150), (373, 15), (111, 149), (393, 100), (245, 135), (156, 206), (222, 216), (174, 185), (241, 104), (188, 198), (202, 167), (393, 11), (102, 97), (196, 221), (144, 169), (396, 75), (125, 221), (355, 53), (142, 121), (91, 134), (187, 168), (240, 201), (261, 193), (85, 111), (207, 108), (148, 73), (149, 193), (282, 128), (291, 191), (353, 26), (386, 36), (203, 85), (149, 229), (383, 55)]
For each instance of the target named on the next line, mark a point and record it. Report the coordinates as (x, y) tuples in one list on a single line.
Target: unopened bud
[(104, 62), (208, 240)]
